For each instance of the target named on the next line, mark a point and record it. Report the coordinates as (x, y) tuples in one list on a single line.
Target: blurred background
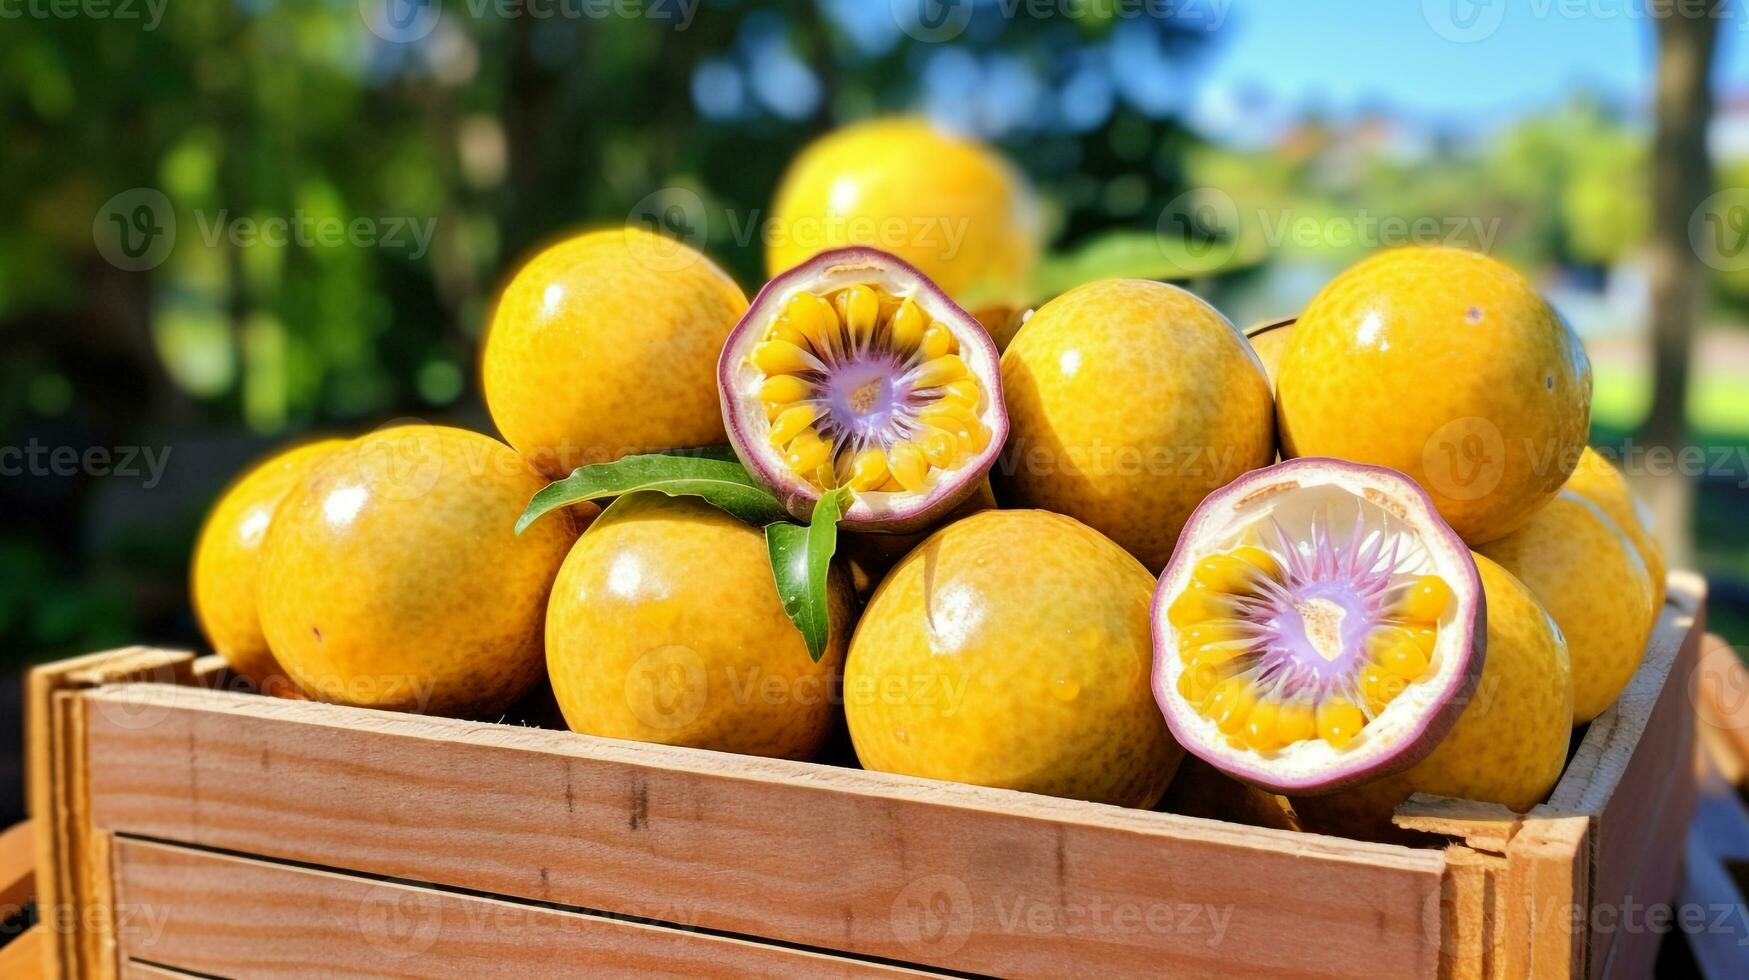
[(229, 224)]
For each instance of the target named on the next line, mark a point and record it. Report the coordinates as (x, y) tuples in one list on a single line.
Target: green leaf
[(721, 482), (801, 557)]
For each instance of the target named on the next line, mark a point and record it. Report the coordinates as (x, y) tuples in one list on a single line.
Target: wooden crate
[(184, 828)]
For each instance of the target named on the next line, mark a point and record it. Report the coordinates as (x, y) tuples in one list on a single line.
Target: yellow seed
[(1296, 722), (908, 466), (939, 371), (776, 357), (1259, 559), (782, 329), (1262, 728), (1425, 637), (1426, 600), (774, 409), (939, 446), (1236, 709), (891, 486), (1198, 605), (812, 317), (860, 309), (951, 416), (791, 423), (907, 327), (937, 342), (1215, 654), (807, 452), (975, 437), (1226, 573), (1339, 721), (868, 471), (784, 389), (1195, 683), (1203, 634), (964, 392), (1404, 659), (1374, 689)]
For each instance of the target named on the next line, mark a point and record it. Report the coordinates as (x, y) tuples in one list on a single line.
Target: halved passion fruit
[(854, 370), (1319, 625)]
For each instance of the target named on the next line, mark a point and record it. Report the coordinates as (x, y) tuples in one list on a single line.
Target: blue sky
[(1525, 54)]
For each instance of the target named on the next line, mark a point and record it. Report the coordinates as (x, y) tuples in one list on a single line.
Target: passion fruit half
[(854, 370), (1319, 625)]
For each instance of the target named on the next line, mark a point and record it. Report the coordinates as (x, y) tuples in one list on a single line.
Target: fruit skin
[(665, 626), (227, 558), (1507, 747), (1597, 480), (869, 557), (1011, 649), (1268, 341), (606, 344), (942, 202), (1587, 574), (1447, 365), (1128, 402), (744, 418), (393, 577)]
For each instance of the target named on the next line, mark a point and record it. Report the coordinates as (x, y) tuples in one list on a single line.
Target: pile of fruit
[(1051, 559)]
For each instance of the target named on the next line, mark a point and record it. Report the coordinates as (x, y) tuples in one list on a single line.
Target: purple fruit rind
[(1416, 742), (797, 494)]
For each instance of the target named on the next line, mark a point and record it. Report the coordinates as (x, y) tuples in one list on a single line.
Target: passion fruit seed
[(1279, 651), (864, 390)]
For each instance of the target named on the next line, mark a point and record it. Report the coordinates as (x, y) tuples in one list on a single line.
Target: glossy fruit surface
[(1588, 575), (1507, 747), (227, 557), (392, 576), (1597, 480), (1446, 365), (606, 344), (1318, 626), (1269, 341), (665, 626), (853, 370), (1128, 402), (943, 202), (1011, 649)]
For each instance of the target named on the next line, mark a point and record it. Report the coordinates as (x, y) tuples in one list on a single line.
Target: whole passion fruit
[(1447, 365), (1318, 626), (853, 370), (1131, 400)]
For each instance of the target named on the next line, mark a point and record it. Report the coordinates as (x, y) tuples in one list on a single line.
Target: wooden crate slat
[(952, 876), (226, 915), (1642, 743)]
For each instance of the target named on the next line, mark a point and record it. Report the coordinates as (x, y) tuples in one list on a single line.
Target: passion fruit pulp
[(1317, 626), (854, 371)]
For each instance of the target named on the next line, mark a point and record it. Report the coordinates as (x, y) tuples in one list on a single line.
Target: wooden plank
[(69, 886), (1482, 826), (141, 970), (1631, 778), (225, 915), (26, 955), (941, 874), (1473, 921), (1546, 883), (17, 868)]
